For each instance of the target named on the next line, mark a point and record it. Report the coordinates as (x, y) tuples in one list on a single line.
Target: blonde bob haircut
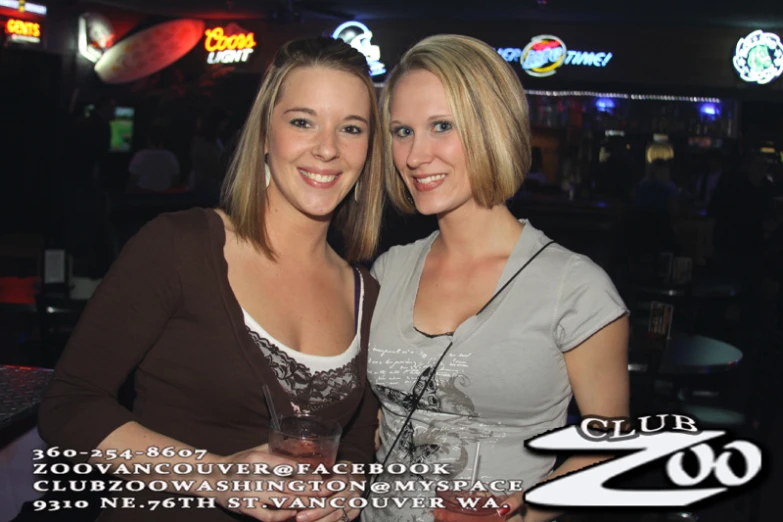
[(358, 217), (490, 114)]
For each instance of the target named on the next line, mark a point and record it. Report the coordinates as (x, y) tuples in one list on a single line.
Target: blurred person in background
[(536, 177), (707, 181), (206, 154), (86, 149), (91, 140), (657, 192), (740, 205), (651, 219), (155, 168)]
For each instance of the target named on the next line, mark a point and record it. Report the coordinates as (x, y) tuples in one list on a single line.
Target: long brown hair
[(358, 217)]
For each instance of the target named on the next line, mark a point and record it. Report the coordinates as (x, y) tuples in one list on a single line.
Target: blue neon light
[(510, 54), (604, 104), (709, 109)]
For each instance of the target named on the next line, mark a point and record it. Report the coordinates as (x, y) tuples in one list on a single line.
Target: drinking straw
[(475, 464), (271, 406)]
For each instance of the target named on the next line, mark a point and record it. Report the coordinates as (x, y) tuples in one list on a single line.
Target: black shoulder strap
[(514, 276), (430, 372)]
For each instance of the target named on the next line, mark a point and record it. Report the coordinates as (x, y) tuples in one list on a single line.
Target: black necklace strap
[(433, 369), (513, 276)]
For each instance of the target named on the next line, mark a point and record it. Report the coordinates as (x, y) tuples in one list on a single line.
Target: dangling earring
[(267, 174), (356, 190)]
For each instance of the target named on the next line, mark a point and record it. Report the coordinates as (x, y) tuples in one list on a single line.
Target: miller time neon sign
[(224, 48), (546, 53), (758, 57)]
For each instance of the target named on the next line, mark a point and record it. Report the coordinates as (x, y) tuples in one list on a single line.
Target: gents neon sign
[(228, 49), (21, 30), (758, 58), (544, 54)]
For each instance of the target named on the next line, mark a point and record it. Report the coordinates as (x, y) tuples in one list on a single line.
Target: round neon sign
[(359, 36), (543, 55), (758, 58)]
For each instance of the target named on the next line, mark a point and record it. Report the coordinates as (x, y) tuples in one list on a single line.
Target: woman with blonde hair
[(209, 306), (486, 329)]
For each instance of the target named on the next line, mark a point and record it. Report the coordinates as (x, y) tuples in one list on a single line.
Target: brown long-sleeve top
[(166, 309)]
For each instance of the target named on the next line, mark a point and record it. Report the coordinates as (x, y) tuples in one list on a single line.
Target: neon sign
[(24, 7), (758, 57), (546, 53), (95, 36), (228, 49), (358, 36), (543, 55), (149, 51), (23, 31)]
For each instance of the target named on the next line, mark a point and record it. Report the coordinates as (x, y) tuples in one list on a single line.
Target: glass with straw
[(308, 439)]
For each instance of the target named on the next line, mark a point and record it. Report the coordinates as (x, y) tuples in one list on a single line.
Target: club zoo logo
[(586, 487)]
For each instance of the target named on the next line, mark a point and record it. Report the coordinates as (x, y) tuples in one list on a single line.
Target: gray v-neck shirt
[(503, 381)]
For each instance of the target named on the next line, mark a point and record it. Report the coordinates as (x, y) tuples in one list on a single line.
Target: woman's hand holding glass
[(260, 504)]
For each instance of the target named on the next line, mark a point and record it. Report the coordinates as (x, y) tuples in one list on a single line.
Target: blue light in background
[(709, 110), (604, 104)]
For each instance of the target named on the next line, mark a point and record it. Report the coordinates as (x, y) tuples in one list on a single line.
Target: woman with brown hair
[(208, 306)]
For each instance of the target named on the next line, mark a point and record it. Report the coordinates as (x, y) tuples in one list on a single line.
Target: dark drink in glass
[(308, 439), (309, 452)]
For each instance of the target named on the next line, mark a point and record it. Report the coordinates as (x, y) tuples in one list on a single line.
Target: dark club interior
[(656, 146)]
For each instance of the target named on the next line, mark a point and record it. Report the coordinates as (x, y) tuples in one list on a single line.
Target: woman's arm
[(598, 370), (136, 437), (120, 325)]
